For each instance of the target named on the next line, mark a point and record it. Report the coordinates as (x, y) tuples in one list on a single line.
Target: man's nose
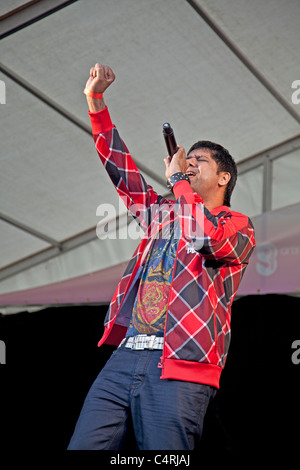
[(192, 161)]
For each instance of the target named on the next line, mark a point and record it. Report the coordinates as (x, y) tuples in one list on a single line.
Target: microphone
[(168, 134)]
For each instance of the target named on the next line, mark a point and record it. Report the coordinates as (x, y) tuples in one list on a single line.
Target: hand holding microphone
[(176, 160)]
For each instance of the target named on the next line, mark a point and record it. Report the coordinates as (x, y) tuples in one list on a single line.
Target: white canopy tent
[(226, 71)]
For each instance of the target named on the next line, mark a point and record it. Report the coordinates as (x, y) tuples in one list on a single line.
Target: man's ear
[(224, 177)]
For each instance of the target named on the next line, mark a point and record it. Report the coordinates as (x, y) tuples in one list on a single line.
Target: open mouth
[(190, 173)]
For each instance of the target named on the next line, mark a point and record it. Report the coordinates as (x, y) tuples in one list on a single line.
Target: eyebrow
[(197, 156)]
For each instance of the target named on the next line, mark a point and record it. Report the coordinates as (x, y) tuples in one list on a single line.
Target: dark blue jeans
[(165, 414)]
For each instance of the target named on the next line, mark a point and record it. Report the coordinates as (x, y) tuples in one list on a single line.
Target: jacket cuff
[(183, 188), (101, 121)]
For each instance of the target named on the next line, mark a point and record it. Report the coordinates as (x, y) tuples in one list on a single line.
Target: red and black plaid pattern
[(213, 252)]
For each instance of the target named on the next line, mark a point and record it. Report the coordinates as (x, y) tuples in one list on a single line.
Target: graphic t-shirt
[(150, 306)]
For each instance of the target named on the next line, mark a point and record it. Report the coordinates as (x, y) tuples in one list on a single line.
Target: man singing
[(170, 315)]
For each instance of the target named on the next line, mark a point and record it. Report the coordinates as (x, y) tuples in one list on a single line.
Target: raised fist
[(101, 77)]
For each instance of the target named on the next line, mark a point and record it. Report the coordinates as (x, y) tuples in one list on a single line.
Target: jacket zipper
[(162, 358), (215, 326)]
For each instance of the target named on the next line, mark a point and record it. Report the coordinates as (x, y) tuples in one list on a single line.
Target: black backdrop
[(52, 359)]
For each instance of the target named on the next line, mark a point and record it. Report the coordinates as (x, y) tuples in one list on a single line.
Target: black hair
[(224, 161)]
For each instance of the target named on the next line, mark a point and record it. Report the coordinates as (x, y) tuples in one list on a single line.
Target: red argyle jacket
[(213, 252)]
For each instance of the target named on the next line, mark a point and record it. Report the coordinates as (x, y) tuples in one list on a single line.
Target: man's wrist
[(173, 179), (95, 104)]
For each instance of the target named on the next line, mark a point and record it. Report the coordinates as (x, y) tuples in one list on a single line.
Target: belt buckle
[(151, 342), (135, 344)]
